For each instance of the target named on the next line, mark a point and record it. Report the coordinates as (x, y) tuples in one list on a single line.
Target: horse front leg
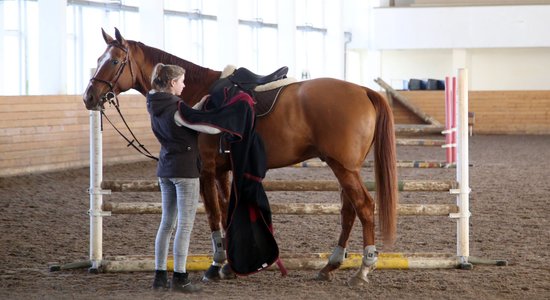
[(210, 196), (210, 191), (223, 181), (224, 189)]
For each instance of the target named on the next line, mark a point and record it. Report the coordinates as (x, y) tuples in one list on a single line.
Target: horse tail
[(385, 167)]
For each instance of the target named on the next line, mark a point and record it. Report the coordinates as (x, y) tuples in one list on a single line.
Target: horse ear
[(119, 37), (108, 39)]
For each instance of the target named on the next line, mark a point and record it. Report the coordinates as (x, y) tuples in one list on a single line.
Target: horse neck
[(197, 79), (195, 90)]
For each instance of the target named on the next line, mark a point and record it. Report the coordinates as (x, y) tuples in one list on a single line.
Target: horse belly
[(284, 145)]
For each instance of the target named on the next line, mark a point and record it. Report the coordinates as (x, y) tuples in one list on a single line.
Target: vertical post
[(448, 119), (454, 112), (463, 234), (96, 197)]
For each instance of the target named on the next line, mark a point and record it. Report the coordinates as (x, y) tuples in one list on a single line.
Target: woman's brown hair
[(164, 74)]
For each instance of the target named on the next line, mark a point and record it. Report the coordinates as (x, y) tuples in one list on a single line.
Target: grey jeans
[(180, 197)]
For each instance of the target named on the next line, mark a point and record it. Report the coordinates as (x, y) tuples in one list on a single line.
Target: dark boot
[(182, 284), (161, 280)]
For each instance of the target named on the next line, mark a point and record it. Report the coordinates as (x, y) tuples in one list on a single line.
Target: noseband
[(110, 95)]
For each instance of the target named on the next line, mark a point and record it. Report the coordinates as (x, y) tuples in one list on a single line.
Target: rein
[(113, 100)]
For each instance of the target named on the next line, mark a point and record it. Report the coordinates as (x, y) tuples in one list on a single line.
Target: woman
[(178, 171)]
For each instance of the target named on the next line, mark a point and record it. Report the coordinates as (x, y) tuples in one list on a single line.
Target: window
[(258, 39), (191, 31), (310, 39), (84, 40), (19, 50)]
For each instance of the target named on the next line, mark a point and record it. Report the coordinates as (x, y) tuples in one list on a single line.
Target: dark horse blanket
[(250, 243)]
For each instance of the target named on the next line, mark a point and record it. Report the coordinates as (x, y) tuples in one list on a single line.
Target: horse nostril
[(88, 100)]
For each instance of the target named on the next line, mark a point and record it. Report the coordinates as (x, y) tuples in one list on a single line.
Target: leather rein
[(111, 98)]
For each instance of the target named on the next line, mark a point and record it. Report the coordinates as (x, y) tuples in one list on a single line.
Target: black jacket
[(179, 153)]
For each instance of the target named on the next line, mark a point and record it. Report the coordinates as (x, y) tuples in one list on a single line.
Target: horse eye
[(115, 62)]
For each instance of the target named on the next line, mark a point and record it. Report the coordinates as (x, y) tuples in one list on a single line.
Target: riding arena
[(457, 176)]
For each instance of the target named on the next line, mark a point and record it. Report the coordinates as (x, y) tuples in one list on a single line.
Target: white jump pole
[(462, 171), (96, 193)]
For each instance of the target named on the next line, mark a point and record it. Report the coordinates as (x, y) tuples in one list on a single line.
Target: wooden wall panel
[(496, 112), (46, 133)]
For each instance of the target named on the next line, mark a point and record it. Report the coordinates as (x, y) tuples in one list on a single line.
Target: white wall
[(490, 69), (151, 15), (462, 27), (52, 47), (2, 48), (510, 69), (504, 47), (399, 65), (286, 32), (228, 29), (334, 59)]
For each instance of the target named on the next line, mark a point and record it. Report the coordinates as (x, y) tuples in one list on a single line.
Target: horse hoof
[(212, 274), (227, 273), (321, 276), (356, 281)]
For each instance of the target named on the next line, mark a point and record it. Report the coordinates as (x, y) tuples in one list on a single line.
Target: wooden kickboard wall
[(48, 133), (496, 112)]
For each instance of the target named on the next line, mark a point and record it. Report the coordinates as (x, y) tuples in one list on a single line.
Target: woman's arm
[(200, 128)]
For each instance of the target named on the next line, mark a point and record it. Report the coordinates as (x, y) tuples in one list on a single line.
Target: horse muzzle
[(93, 103)]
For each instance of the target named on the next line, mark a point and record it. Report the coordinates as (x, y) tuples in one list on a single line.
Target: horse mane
[(193, 72)]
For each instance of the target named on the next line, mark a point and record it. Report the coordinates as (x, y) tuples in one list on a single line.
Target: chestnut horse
[(331, 119)]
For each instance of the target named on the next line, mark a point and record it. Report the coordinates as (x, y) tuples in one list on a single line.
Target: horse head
[(113, 75)]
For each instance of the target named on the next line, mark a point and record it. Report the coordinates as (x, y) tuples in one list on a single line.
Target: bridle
[(110, 97)]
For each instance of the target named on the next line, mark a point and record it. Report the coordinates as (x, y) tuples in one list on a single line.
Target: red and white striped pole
[(450, 120), (454, 114)]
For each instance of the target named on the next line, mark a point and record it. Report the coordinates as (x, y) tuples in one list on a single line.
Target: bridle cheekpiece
[(110, 96)]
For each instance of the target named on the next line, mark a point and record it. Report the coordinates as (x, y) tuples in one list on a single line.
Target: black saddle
[(241, 79), (248, 80), (244, 80)]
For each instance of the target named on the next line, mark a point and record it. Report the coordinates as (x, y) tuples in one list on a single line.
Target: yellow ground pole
[(314, 261)]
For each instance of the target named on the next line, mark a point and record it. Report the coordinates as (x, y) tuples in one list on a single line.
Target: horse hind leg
[(363, 205), (368, 264), (347, 219)]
